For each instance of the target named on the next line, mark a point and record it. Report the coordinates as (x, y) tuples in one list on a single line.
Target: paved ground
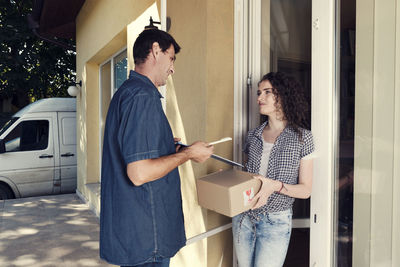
[(48, 231)]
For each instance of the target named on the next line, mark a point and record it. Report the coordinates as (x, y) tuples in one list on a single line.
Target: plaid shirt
[(283, 164)]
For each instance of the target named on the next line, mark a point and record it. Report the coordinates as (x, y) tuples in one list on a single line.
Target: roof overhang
[(55, 18)]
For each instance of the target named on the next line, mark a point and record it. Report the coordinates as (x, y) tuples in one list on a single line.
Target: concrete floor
[(58, 230)]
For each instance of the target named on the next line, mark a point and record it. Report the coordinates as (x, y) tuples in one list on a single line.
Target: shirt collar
[(259, 130), (135, 75)]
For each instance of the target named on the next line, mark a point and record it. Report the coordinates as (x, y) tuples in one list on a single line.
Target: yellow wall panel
[(101, 32), (199, 97), (203, 87)]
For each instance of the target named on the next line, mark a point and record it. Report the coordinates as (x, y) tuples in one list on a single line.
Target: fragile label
[(247, 196)]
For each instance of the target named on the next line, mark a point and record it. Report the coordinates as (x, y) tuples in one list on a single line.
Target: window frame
[(113, 90), (17, 123)]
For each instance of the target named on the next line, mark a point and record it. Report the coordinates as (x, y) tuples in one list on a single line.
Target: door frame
[(323, 112)]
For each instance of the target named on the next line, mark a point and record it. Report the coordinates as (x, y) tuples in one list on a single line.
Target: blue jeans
[(264, 242)]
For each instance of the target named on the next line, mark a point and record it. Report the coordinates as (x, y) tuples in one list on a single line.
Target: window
[(8, 124), (120, 63), (68, 123), (113, 72), (28, 136)]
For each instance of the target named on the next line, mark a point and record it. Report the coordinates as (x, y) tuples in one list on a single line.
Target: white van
[(38, 150)]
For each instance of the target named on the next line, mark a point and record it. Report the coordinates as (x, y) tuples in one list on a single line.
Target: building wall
[(376, 239), (101, 31), (204, 91), (199, 98)]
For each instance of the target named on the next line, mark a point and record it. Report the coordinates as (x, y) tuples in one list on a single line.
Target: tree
[(30, 66)]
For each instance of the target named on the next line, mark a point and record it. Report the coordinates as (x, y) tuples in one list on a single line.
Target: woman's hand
[(268, 186)]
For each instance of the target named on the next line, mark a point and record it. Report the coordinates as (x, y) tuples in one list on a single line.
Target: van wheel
[(5, 192)]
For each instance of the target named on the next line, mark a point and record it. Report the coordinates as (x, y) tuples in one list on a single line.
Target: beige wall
[(101, 32), (377, 135), (204, 92), (199, 98)]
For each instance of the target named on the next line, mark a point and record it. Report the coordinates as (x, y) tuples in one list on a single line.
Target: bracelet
[(281, 188)]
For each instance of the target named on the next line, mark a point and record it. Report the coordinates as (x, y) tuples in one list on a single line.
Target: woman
[(280, 152)]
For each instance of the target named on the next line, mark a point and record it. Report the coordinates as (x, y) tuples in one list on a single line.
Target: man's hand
[(199, 151), (147, 170), (177, 147), (268, 186)]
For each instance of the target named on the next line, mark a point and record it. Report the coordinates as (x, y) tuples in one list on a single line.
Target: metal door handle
[(67, 155), (45, 156)]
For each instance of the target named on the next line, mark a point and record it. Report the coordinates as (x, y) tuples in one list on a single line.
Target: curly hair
[(293, 103)]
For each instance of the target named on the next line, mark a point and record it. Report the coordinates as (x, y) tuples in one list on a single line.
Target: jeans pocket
[(281, 221)]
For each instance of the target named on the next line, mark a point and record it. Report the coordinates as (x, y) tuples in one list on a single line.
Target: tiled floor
[(55, 230)]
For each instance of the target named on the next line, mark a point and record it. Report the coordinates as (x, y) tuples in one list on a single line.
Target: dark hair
[(290, 94), (145, 40)]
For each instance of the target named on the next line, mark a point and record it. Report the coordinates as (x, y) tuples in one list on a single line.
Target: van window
[(8, 124), (69, 131), (28, 136)]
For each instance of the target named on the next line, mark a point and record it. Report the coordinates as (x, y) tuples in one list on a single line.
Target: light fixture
[(73, 90), (151, 25), (152, 22)]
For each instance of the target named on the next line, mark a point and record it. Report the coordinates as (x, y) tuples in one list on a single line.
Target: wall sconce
[(73, 90), (152, 22), (151, 25)]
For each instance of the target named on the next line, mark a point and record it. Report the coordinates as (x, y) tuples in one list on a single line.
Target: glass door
[(285, 45), (344, 189), (296, 37)]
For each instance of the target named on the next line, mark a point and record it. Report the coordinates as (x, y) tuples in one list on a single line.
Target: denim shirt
[(138, 223), (283, 163)]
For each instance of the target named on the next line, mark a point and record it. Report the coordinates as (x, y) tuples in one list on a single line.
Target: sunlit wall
[(199, 98), (204, 90)]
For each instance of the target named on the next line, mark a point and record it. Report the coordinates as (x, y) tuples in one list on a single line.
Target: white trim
[(240, 76), (100, 120), (336, 135), (163, 19), (112, 76), (240, 71), (254, 59), (323, 121), (209, 233), (164, 15)]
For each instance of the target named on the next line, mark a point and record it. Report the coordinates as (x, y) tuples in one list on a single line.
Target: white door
[(29, 158), (67, 145), (296, 37)]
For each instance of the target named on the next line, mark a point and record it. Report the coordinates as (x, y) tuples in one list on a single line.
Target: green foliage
[(28, 65)]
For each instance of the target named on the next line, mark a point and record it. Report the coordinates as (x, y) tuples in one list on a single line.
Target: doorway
[(286, 47), (298, 38)]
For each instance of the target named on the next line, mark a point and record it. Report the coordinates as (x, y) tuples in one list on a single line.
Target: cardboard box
[(227, 192)]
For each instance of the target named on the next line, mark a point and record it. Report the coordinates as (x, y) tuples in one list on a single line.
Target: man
[(141, 220)]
